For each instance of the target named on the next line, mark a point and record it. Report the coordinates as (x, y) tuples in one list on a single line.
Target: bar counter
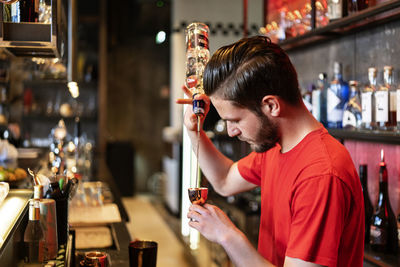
[(12, 245)]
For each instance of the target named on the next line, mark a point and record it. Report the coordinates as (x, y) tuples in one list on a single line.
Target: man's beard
[(267, 136)]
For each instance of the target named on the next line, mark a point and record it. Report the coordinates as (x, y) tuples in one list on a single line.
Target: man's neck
[(295, 124)]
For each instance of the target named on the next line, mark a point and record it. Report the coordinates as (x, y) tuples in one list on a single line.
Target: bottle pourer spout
[(382, 155)]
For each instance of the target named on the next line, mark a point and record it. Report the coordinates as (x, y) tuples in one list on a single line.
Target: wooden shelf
[(381, 259), (369, 17), (387, 137)]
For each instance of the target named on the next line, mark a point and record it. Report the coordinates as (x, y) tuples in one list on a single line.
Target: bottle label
[(393, 101), (378, 236), (366, 105), (334, 112), (335, 9), (398, 104), (349, 119), (316, 104), (382, 106)]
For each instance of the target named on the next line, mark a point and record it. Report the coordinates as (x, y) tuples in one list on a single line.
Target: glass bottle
[(337, 96), (382, 102), (33, 234), (398, 109), (363, 172), (352, 109), (383, 236), (368, 101), (197, 56), (337, 9), (323, 85), (357, 5), (389, 84)]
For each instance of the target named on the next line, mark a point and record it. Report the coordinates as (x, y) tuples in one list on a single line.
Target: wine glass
[(198, 195)]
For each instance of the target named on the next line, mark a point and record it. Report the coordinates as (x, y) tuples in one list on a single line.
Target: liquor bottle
[(323, 86), (389, 84), (33, 234), (337, 96), (197, 56), (352, 109), (382, 102), (25, 11), (307, 97), (363, 172), (357, 5), (398, 109), (383, 236), (337, 9), (368, 101), (316, 103)]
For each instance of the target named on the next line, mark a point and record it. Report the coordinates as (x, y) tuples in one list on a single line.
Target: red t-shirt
[(311, 202)]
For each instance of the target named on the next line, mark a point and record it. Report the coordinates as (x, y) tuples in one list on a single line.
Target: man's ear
[(271, 106)]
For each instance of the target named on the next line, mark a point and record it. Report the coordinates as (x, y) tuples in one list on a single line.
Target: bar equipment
[(198, 195)]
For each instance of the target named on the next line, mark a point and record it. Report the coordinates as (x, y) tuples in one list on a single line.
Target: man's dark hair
[(246, 71)]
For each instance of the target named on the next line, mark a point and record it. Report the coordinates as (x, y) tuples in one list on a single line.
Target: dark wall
[(376, 46), (138, 74)]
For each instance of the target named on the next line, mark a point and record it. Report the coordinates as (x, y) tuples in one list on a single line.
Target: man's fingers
[(184, 101), (187, 92)]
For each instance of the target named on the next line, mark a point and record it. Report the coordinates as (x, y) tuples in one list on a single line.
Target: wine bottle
[(33, 234), (363, 172), (383, 236)]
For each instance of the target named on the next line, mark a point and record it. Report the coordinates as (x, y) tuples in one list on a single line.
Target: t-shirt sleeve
[(250, 167), (319, 208)]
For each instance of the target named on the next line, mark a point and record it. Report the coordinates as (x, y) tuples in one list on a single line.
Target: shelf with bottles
[(317, 29), (41, 33)]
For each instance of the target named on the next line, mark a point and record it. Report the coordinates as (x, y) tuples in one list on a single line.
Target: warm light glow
[(11, 209), (73, 89)]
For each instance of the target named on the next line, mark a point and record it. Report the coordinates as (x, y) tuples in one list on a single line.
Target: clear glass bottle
[(352, 109), (383, 236), (197, 56), (368, 101), (337, 9), (382, 102), (337, 96), (33, 234)]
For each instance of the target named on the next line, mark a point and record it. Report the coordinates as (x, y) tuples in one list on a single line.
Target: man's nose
[(232, 130)]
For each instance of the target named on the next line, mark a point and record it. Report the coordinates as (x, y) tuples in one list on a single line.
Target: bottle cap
[(372, 70)]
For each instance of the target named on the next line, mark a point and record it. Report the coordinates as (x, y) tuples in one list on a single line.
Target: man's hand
[(190, 118), (211, 222)]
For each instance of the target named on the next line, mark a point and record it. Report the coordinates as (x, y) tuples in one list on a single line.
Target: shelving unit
[(372, 16), (386, 137), (34, 39), (325, 38)]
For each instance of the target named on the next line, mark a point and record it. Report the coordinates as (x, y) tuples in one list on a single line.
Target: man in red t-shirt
[(312, 210)]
